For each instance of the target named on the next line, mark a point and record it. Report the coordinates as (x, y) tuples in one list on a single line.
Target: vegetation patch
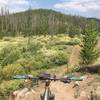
[(30, 55)]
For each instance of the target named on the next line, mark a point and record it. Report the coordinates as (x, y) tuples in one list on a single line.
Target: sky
[(87, 8)]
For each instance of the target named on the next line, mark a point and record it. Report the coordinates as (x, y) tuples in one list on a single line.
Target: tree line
[(41, 21)]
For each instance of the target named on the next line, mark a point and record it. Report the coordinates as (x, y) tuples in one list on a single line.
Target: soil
[(68, 92)]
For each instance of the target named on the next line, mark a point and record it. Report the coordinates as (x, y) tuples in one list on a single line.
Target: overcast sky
[(87, 8)]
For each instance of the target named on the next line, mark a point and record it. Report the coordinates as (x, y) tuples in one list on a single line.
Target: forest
[(41, 22)]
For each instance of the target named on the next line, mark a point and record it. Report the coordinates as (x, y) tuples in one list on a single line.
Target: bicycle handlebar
[(65, 79)]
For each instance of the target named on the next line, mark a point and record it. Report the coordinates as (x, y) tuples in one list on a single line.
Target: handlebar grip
[(19, 77), (25, 77), (74, 78)]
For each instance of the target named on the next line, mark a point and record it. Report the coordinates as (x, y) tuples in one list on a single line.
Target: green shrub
[(75, 69), (34, 65), (4, 52), (74, 41), (6, 87), (30, 64), (12, 57), (55, 58), (34, 46), (9, 55), (10, 70)]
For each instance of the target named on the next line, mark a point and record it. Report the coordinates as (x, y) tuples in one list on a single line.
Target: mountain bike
[(47, 78)]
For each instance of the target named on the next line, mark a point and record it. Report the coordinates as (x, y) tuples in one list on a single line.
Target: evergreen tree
[(89, 53)]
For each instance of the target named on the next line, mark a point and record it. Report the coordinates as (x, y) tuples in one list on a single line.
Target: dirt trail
[(62, 91), (74, 56), (67, 92), (59, 71)]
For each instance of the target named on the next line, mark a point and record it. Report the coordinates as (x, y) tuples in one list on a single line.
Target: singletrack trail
[(74, 56)]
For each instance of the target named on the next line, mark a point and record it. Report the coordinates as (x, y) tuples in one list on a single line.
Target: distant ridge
[(42, 21)]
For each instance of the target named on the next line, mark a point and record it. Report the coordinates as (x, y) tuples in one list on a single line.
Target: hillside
[(41, 21)]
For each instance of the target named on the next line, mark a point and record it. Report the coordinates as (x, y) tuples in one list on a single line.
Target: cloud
[(9, 2), (16, 5), (79, 5)]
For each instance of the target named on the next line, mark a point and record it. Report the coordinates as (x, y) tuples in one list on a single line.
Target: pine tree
[(89, 53)]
